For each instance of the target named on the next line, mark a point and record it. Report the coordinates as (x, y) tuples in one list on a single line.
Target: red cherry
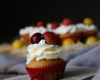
[(38, 77), (55, 25), (51, 38), (40, 23), (36, 38), (80, 21), (67, 21), (33, 25)]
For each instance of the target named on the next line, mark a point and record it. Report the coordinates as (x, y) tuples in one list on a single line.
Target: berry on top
[(36, 38), (40, 23), (88, 21), (55, 25), (67, 21)]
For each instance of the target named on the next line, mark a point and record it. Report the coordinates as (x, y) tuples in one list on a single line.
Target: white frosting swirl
[(32, 30), (43, 51), (25, 30), (83, 28), (65, 29)]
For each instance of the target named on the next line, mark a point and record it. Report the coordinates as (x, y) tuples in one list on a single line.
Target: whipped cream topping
[(32, 30), (25, 30), (43, 51), (65, 29), (83, 28)]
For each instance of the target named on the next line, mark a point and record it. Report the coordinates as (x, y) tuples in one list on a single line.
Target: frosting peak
[(65, 29), (83, 28), (32, 30), (43, 51)]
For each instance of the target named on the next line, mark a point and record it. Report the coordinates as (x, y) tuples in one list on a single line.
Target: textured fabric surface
[(4, 76), (18, 68), (97, 77), (8, 62), (88, 57), (68, 56)]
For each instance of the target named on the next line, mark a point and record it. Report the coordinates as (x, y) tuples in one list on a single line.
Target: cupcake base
[(75, 36), (52, 70), (85, 35)]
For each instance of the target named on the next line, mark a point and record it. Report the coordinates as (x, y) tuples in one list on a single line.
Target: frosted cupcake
[(70, 31), (66, 30), (44, 59), (28, 31), (87, 28)]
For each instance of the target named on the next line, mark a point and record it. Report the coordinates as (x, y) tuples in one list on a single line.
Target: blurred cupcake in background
[(87, 28), (66, 30), (28, 31)]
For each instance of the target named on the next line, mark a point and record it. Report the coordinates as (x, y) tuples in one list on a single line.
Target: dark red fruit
[(38, 77), (36, 38), (80, 21), (51, 38), (55, 25), (67, 21), (40, 23), (33, 25)]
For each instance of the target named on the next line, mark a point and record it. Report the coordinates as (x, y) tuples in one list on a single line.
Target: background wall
[(18, 14)]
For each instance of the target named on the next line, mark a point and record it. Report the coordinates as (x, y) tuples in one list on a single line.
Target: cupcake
[(66, 30), (70, 31), (87, 29), (28, 31), (44, 59)]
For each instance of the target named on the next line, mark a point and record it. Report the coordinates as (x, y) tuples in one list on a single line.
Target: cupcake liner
[(89, 34), (53, 72), (75, 37)]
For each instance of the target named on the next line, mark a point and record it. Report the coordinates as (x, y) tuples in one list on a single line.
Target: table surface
[(4, 76), (71, 73)]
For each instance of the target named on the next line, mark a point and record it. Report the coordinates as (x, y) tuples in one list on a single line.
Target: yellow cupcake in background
[(17, 44), (68, 42), (88, 21), (91, 40)]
